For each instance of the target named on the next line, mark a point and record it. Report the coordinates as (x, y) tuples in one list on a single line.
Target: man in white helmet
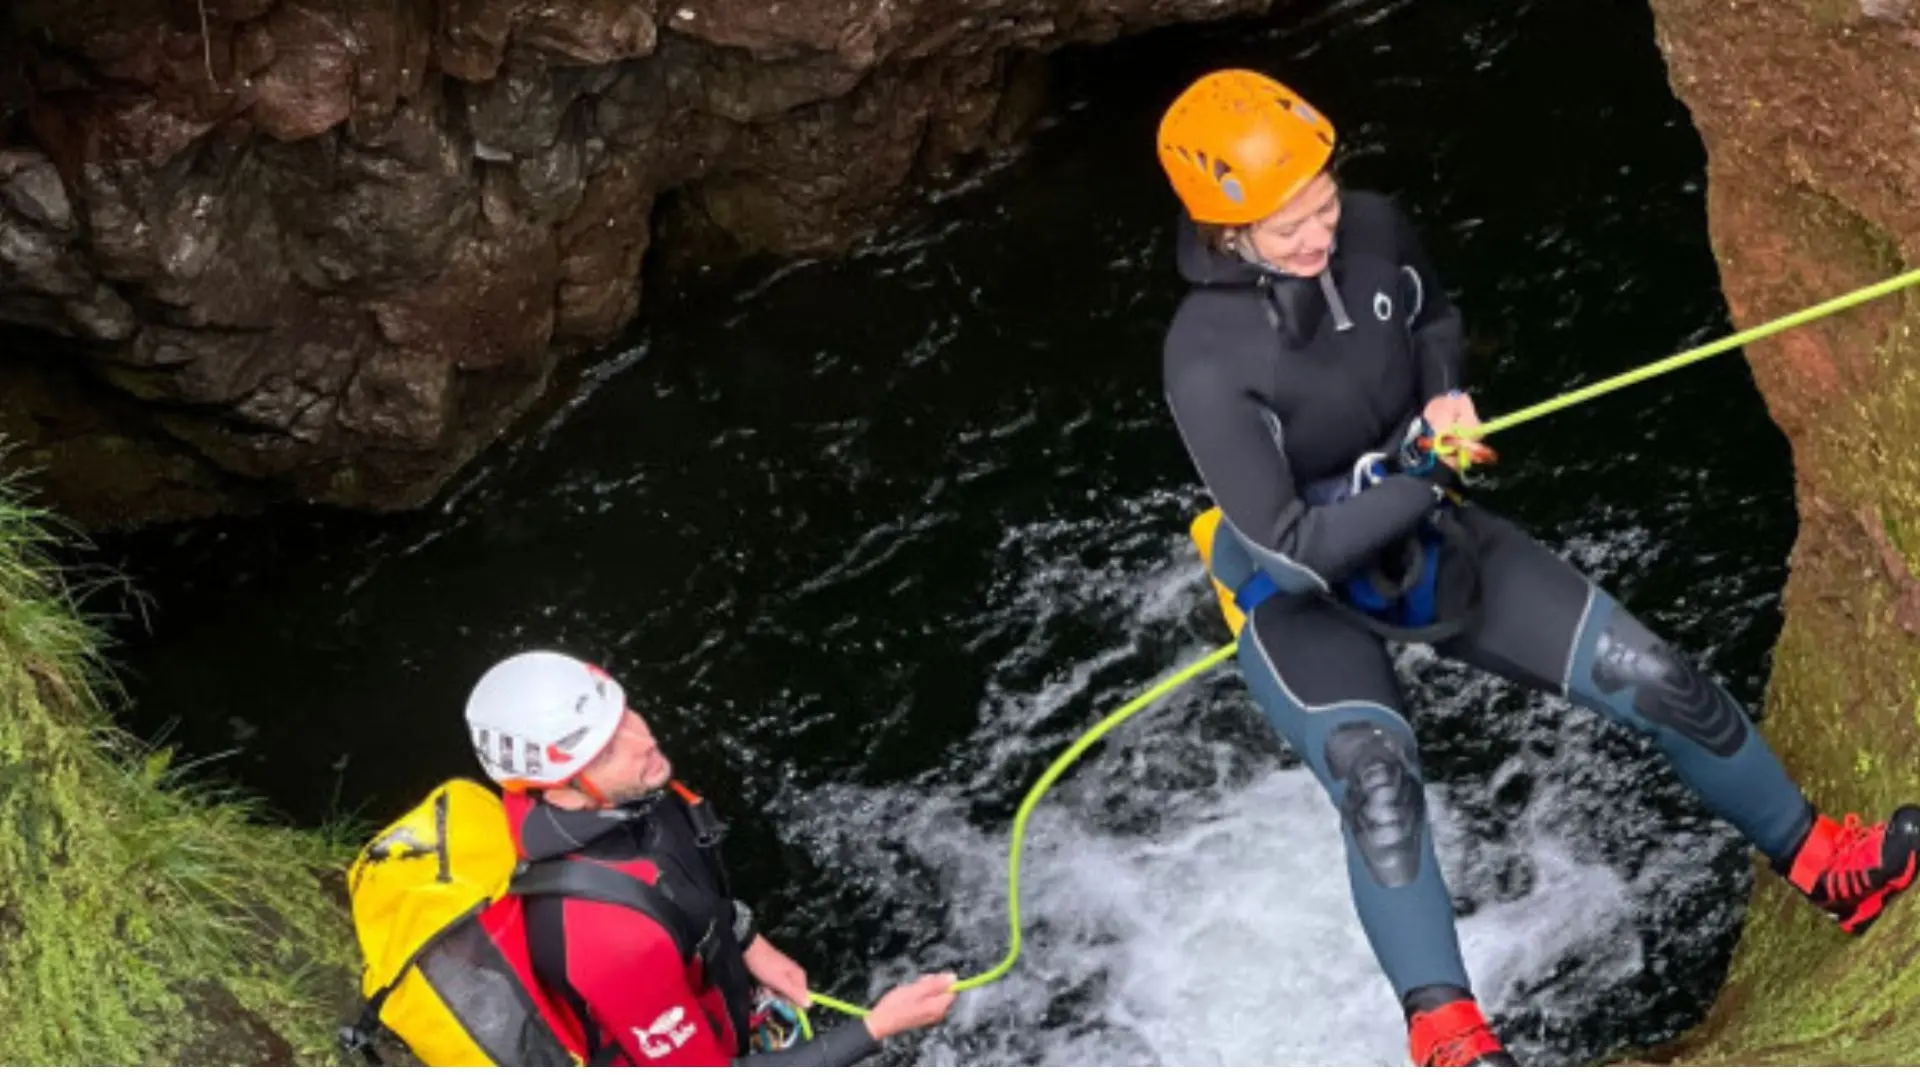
[(583, 778)]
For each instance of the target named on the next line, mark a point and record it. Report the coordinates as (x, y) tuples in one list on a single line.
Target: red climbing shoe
[(1850, 870), (1452, 1033)]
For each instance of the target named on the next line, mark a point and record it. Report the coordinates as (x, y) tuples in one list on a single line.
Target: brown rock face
[(333, 246), (1810, 111)]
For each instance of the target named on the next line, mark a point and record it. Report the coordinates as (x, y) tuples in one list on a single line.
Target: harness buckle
[(1368, 469)]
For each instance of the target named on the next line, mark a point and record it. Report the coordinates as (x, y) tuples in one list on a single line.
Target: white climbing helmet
[(538, 717)]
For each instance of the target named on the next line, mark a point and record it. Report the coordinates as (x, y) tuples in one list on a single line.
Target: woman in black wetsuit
[(1308, 367)]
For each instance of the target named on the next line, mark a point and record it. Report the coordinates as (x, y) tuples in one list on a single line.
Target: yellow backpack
[(437, 901), (446, 970)]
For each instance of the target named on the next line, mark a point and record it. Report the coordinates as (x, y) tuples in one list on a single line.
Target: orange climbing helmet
[(1237, 145)]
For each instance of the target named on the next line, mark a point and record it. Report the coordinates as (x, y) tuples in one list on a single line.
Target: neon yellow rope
[(836, 1004), (1060, 765), (1641, 374)]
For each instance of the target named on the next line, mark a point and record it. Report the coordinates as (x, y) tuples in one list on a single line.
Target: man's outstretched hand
[(920, 1003), (777, 972)]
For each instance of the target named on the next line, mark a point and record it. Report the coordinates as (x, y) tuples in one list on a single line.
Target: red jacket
[(619, 966)]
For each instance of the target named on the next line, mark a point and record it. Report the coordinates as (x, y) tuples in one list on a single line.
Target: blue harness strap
[(1256, 590), (1416, 608)]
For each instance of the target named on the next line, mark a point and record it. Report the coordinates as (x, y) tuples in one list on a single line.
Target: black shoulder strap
[(547, 942), (589, 880), (707, 834)]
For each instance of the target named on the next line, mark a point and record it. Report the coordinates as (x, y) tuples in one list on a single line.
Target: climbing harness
[(1398, 596), (776, 1024), (1454, 445)]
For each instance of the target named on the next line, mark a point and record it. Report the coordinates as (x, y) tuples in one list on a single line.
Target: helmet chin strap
[(586, 787), (601, 801), (1243, 247)]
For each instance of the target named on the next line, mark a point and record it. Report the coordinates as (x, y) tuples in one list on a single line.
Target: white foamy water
[(1224, 935), (1199, 913)]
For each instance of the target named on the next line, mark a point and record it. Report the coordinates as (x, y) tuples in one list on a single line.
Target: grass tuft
[(146, 917)]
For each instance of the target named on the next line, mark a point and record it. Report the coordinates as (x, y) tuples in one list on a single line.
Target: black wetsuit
[(1277, 385)]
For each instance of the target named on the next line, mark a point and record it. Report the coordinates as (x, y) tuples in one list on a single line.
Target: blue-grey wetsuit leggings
[(1328, 687)]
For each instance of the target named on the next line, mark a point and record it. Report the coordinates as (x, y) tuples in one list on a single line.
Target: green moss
[(1844, 712), (1906, 537), (1833, 14), (143, 920)]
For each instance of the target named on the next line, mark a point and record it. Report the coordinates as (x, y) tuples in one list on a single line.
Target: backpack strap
[(722, 954), (358, 1037), (547, 949), (587, 880)]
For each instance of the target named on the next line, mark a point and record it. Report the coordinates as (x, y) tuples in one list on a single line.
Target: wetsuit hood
[(1203, 264)]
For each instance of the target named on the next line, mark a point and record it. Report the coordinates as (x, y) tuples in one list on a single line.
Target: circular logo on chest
[(1382, 306)]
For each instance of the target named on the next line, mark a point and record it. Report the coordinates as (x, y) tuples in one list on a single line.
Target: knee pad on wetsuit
[(1645, 680), (1383, 805)]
